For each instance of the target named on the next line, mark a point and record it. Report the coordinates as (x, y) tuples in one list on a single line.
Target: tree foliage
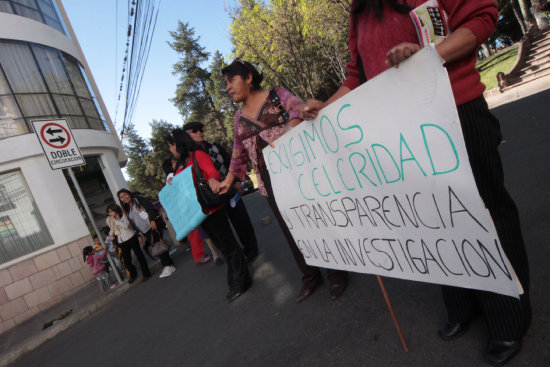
[(508, 29), (145, 158), (199, 94), (527, 13), (298, 44), (190, 98), (222, 130), (137, 151)]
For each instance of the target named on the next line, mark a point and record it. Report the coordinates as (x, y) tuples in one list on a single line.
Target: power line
[(142, 18), (145, 47), (125, 59)]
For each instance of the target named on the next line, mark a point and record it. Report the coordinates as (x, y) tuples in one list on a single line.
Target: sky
[(101, 30)]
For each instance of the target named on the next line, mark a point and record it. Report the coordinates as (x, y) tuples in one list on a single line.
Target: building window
[(11, 120), (39, 82), (22, 229), (42, 11)]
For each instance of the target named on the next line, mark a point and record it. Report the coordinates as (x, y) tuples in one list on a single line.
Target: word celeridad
[(361, 165)]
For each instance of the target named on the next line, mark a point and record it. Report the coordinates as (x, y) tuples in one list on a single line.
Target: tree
[(159, 152), (542, 21), (137, 150), (517, 13), (524, 6), (223, 104), (145, 159), (298, 44), (508, 29), (160, 129), (192, 97)]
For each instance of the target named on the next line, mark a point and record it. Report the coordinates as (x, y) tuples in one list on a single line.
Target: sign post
[(62, 152)]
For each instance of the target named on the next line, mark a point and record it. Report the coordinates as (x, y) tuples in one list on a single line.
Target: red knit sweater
[(374, 37)]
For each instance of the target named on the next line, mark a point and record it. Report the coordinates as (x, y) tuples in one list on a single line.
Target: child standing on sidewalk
[(95, 262)]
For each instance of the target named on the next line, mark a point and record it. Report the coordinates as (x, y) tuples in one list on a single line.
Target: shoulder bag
[(159, 247), (206, 197)]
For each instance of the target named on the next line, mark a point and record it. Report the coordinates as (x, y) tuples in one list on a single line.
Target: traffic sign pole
[(61, 151)]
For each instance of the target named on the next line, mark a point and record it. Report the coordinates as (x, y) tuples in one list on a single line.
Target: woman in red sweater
[(382, 35), (216, 224)]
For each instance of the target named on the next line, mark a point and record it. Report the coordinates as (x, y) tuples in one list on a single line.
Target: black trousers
[(311, 275), (507, 317), (218, 228), (165, 258), (243, 226), (133, 245)]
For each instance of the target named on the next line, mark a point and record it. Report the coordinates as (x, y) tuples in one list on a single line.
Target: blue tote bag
[(181, 204)]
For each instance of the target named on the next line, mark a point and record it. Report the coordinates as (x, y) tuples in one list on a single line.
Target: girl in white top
[(120, 225), (148, 221)]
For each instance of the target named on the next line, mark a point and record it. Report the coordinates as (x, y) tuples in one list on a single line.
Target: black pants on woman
[(133, 245), (507, 317), (311, 275), (164, 258), (218, 228), (243, 226)]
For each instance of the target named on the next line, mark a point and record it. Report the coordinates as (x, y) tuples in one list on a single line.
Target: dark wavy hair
[(133, 195), (243, 68), (87, 251), (184, 144), (359, 6), (114, 208), (167, 166)]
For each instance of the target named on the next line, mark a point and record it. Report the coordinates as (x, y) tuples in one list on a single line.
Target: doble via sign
[(58, 143)]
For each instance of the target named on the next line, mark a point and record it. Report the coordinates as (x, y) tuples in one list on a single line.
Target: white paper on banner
[(380, 183)]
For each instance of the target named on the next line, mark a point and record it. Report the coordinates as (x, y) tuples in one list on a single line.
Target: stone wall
[(36, 284)]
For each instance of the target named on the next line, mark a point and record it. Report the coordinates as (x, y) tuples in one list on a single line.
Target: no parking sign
[(58, 143)]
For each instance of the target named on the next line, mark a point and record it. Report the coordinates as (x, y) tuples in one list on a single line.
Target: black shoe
[(307, 291), (232, 295), (304, 293), (500, 352), (451, 331), (146, 278), (337, 289), (131, 280)]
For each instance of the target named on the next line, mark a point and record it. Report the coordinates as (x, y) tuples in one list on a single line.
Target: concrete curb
[(62, 325), (518, 92)]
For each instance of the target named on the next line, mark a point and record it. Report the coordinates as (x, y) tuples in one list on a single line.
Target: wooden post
[(392, 312)]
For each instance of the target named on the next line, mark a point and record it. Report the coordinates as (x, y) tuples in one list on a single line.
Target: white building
[(43, 75)]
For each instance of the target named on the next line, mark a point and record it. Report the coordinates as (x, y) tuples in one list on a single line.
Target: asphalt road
[(184, 320)]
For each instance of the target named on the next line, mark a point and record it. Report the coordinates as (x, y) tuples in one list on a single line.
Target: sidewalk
[(30, 334), (495, 98)]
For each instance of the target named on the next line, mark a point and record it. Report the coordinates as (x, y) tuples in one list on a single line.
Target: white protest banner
[(380, 183)]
